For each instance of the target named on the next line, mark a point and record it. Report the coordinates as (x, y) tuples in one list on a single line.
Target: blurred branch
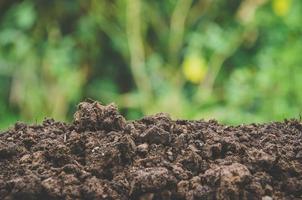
[(216, 62), (177, 27), (199, 9), (245, 16), (247, 9), (136, 47)]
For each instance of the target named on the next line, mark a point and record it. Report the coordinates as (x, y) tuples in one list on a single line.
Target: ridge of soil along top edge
[(100, 155)]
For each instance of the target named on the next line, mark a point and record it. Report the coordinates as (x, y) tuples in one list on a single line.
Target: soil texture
[(100, 155)]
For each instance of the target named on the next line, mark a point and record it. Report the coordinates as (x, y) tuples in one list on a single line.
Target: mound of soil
[(103, 156)]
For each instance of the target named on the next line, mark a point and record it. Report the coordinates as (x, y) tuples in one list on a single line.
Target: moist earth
[(100, 155)]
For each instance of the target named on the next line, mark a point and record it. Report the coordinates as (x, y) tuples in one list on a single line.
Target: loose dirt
[(102, 156)]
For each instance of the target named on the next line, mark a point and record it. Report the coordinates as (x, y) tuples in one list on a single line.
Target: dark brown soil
[(103, 156)]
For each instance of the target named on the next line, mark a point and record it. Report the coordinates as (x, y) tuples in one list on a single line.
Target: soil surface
[(102, 156)]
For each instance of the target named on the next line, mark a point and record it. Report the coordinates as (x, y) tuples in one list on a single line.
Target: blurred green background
[(237, 61)]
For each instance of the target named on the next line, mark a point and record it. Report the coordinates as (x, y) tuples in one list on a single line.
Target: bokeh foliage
[(236, 61)]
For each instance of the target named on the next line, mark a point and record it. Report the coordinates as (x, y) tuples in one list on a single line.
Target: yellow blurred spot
[(194, 68), (281, 7)]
